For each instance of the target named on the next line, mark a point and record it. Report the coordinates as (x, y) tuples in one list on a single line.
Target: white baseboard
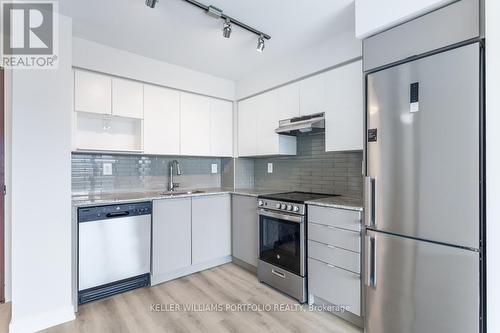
[(40, 321), (156, 279)]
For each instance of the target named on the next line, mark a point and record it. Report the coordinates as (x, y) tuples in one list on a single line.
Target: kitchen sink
[(173, 194)]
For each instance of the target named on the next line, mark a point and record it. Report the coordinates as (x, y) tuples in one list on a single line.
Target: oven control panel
[(283, 206)]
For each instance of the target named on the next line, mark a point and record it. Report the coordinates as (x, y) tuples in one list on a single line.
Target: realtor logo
[(29, 34)]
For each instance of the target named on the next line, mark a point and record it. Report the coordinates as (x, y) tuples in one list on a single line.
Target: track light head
[(226, 29), (151, 3), (261, 44)]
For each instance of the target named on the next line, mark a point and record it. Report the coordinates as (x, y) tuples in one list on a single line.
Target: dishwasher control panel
[(88, 214)]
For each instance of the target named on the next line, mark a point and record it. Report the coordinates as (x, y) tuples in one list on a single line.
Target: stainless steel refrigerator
[(423, 194)]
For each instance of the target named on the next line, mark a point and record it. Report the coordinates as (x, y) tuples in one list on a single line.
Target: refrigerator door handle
[(371, 262), (370, 202)]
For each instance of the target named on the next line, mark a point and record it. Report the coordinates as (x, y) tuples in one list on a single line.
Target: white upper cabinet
[(268, 117), (258, 118), (289, 101), (161, 121), (266, 110), (123, 115), (128, 98), (344, 113), (312, 95), (92, 92), (247, 127), (195, 125), (98, 93), (221, 128), (373, 17)]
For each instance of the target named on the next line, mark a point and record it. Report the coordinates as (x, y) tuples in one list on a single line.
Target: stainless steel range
[(282, 241)]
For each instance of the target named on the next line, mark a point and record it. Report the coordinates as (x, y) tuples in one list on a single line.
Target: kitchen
[(260, 184)]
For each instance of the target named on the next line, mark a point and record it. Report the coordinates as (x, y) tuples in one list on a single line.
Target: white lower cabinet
[(211, 228), (335, 285), (190, 235), (171, 237), (245, 229), (334, 259)]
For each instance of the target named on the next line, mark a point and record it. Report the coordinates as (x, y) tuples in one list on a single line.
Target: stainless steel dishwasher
[(114, 249)]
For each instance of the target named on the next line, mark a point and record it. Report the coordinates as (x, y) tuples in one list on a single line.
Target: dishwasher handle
[(119, 214), (103, 212)]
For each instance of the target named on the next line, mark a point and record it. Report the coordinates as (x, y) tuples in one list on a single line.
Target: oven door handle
[(281, 216)]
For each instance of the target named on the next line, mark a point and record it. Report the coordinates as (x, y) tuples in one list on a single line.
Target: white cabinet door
[(268, 121), (92, 92), (268, 117), (195, 125), (247, 128), (171, 236), (128, 98), (161, 121), (221, 128), (245, 229), (344, 113), (211, 221), (258, 118), (289, 101), (312, 95)]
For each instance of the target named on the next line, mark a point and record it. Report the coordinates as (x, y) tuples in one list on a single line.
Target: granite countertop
[(84, 200), (254, 192), (122, 197), (341, 202)]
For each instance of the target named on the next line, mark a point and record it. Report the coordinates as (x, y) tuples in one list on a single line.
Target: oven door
[(282, 240)]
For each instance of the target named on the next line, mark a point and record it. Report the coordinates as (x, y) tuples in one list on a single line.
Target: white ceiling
[(179, 33)]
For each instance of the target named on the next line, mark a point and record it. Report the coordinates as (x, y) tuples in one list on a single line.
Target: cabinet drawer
[(335, 285), (336, 256), (342, 218), (346, 239)]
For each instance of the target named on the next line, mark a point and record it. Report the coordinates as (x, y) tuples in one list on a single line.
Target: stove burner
[(296, 197)]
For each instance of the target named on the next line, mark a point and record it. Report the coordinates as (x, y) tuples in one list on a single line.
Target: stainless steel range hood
[(305, 124)]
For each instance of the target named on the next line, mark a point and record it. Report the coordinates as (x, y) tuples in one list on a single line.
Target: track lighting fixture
[(261, 44), (228, 21), (151, 3), (226, 30)]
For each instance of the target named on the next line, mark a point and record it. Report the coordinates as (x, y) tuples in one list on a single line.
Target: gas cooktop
[(295, 197)]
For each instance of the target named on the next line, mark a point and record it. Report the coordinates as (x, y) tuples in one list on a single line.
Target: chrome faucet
[(171, 185)]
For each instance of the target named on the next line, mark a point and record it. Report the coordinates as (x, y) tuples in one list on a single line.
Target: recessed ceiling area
[(179, 33)]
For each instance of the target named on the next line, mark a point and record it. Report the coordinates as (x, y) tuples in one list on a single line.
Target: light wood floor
[(4, 317), (227, 284)]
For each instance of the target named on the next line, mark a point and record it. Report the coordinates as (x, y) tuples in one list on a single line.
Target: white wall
[(375, 16), (8, 184), (102, 58), (41, 193), (338, 49), (493, 163)]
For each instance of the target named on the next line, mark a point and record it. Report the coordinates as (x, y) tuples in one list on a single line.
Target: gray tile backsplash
[(227, 172), (140, 173), (244, 169), (313, 169)]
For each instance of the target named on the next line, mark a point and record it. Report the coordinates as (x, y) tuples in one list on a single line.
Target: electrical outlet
[(107, 169), (214, 168), (269, 168)]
